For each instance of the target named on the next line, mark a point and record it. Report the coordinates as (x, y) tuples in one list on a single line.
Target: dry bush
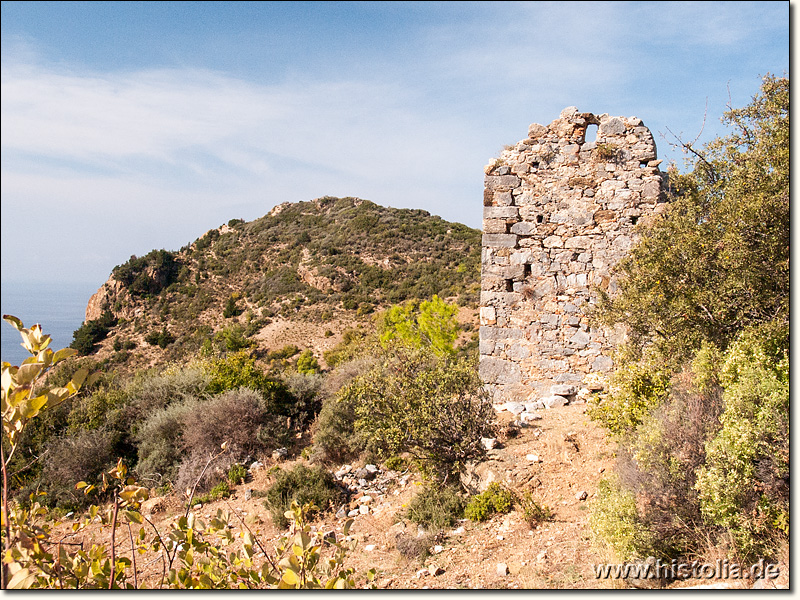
[(334, 434), (149, 393), (70, 459), (195, 469), (235, 417), (659, 461), (160, 440), (415, 547)]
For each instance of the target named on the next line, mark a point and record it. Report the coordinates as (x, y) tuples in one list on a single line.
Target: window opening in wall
[(591, 133), (634, 220), (509, 285), (539, 218), (526, 270)]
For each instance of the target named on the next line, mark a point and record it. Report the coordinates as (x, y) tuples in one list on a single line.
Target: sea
[(58, 307)]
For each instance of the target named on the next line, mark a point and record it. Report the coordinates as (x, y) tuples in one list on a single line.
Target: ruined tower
[(559, 212)]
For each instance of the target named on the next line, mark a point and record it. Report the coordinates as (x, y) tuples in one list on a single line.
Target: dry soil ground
[(573, 453)]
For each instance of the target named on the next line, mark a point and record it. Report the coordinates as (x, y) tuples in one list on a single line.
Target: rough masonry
[(559, 212)]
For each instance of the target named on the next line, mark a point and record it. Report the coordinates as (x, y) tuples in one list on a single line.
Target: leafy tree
[(708, 286), (718, 260), (92, 332), (148, 275), (431, 323), (231, 309)]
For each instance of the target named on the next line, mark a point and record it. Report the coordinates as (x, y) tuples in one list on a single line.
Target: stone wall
[(559, 212)]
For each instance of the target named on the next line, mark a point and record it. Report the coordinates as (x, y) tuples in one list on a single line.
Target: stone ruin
[(559, 212)]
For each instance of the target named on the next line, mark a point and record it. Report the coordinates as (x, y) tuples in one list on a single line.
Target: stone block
[(486, 347), (580, 339), (581, 242), (488, 315), (605, 216), (552, 241), (602, 364), (499, 240), (498, 371), (493, 182), (514, 407), (500, 212), (501, 333), (613, 126), (518, 351), (523, 228), (563, 389), (501, 198), (554, 401), (494, 226)]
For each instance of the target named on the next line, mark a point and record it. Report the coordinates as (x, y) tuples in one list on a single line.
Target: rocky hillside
[(300, 275)]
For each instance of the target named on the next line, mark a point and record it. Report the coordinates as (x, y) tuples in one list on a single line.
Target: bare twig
[(113, 548), (28, 466), (163, 550), (5, 511), (258, 543), (133, 558), (211, 459)]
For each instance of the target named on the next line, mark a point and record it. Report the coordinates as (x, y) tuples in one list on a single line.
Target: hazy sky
[(128, 126)]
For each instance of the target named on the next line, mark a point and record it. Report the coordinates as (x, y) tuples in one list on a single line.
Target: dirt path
[(572, 453)]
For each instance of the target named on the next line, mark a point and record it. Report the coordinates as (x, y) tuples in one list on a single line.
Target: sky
[(132, 126)]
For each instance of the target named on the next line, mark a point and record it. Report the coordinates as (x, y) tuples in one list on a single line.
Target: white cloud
[(167, 151), (151, 158)]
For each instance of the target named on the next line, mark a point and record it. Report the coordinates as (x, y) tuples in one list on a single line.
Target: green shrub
[(433, 407), (96, 409), (152, 391), (237, 474), (218, 492), (303, 485), (636, 388), (483, 506), (355, 343), (436, 507), (616, 524), (658, 463), (307, 364), (305, 390), (288, 351), (162, 338), (92, 332), (233, 338), (160, 441), (334, 435), (231, 309), (744, 485), (395, 463), (533, 512), (240, 370)]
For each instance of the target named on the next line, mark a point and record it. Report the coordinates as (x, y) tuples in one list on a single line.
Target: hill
[(300, 275)]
